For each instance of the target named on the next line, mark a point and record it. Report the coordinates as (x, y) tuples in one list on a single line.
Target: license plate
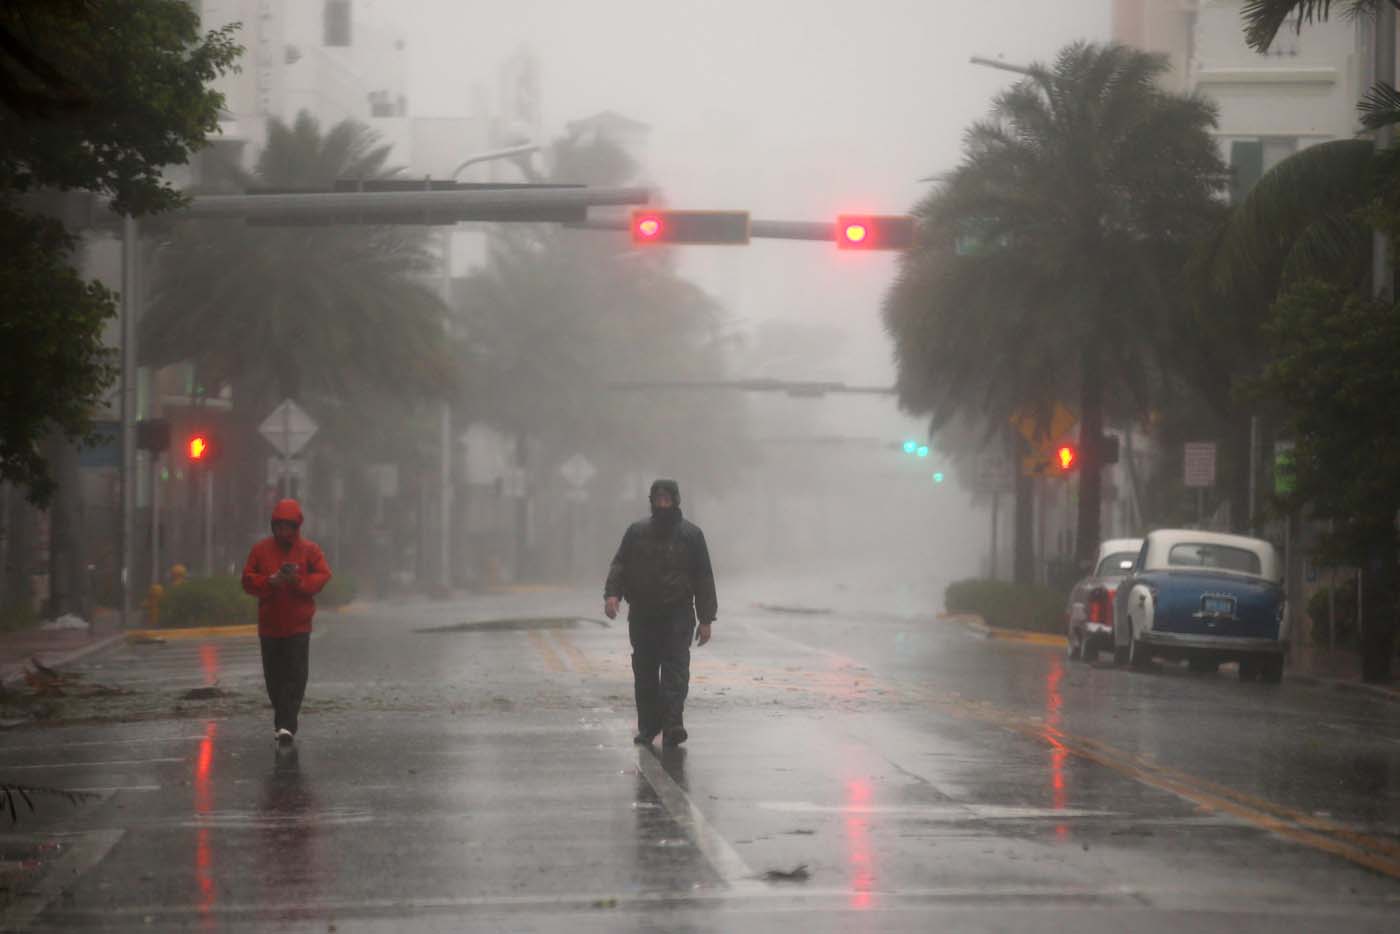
[(1218, 606)]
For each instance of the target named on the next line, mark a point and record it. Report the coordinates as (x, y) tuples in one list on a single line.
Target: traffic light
[(713, 227), (874, 231), (201, 449), (1066, 458), (910, 447), (938, 476), (922, 451)]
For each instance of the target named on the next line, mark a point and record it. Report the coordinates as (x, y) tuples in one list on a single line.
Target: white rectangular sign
[(1200, 464)]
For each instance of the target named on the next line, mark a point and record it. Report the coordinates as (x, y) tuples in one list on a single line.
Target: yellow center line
[(575, 654), (552, 662)]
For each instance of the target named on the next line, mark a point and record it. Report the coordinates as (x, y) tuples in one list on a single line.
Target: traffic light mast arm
[(758, 229)]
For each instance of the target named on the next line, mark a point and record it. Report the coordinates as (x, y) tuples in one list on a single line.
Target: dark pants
[(286, 662), (661, 666)]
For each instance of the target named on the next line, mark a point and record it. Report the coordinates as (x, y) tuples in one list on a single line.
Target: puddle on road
[(516, 625)]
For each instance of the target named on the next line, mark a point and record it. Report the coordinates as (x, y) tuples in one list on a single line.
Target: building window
[(336, 31), (1246, 166)]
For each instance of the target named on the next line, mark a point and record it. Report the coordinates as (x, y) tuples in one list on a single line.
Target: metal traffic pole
[(131, 252)]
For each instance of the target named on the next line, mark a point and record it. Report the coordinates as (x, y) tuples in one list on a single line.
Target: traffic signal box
[(712, 227), (874, 231)]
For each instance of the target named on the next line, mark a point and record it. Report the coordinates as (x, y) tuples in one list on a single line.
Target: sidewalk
[(54, 646), (1338, 669)]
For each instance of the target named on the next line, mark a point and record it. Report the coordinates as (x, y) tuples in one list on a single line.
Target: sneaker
[(285, 737), (643, 739), (674, 737)]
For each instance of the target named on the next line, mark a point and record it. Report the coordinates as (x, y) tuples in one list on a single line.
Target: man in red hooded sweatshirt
[(285, 572)]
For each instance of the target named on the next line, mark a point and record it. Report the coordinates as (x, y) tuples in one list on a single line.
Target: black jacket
[(660, 567)]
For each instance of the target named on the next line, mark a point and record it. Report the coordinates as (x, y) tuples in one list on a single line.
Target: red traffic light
[(1066, 457), (200, 449), (713, 227), (874, 231)]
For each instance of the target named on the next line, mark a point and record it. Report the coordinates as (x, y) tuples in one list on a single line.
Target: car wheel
[(1203, 664), (1120, 654), (1271, 669), (1249, 669), (1138, 656)]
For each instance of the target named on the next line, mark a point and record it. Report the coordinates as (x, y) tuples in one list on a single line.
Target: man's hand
[(610, 607), (702, 634)]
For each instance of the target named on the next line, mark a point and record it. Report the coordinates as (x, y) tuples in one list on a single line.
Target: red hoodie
[(286, 609)]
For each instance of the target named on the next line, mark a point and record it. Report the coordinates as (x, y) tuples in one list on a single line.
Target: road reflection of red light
[(858, 843), (204, 805), (209, 661), (1054, 703)]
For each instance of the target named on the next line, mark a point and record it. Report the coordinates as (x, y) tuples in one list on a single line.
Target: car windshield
[(1117, 564), (1219, 557)]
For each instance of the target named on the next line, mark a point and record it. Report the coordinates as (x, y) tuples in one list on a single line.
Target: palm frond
[(1264, 18), (1380, 107), (1327, 180)]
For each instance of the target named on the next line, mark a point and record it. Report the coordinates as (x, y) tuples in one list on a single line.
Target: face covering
[(667, 516)]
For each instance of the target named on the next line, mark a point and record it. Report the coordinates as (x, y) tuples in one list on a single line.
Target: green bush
[(1007, 605), (342, 589), (207, 601), (1346, 615)]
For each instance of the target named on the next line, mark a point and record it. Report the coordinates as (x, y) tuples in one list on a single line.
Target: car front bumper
[(1234, 645)]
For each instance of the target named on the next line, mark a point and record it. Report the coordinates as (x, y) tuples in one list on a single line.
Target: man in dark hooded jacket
[(662, 569), (285, 572)]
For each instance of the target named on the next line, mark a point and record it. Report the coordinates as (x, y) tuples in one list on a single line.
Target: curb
[(201, 632), (978, 625), (1345, 687), (90, 649)]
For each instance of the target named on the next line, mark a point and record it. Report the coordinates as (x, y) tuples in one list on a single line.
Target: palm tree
[(342, 319), (1074, 210), (295, 311)]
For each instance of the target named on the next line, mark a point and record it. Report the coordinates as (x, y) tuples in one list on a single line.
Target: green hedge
[(207, 601), (1007, 605)]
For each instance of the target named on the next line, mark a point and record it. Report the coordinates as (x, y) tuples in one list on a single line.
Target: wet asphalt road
[(468, 766)]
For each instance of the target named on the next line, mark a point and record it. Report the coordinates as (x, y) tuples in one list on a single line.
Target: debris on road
[(796, 874), (209, 692)]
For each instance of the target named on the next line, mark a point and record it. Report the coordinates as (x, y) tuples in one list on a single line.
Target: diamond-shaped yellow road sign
[(1062, 422)]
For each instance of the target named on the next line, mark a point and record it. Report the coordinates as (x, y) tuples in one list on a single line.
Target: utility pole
[(1382, 272), (131, 265)]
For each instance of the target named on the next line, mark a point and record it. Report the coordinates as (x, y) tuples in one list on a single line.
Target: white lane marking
[(84, 765), (736, 873), (50, 746), (956, 812), (89, 850)]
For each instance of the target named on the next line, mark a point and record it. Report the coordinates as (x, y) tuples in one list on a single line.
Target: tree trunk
[(1086, 539), (65, 530)]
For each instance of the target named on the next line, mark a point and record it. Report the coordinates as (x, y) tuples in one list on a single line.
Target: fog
[(790, 110)]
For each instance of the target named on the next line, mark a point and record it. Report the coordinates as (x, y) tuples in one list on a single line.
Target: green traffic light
[(923, 450), (910, 447), (938, 477)]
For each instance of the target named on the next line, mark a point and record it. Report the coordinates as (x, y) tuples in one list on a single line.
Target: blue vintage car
[(1206, 597)]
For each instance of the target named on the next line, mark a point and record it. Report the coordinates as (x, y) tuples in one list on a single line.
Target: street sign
[(1285, 472), (288, 428), (578, 470), (993, 474), (278, 467), (1062, 422), (1199, 463)]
